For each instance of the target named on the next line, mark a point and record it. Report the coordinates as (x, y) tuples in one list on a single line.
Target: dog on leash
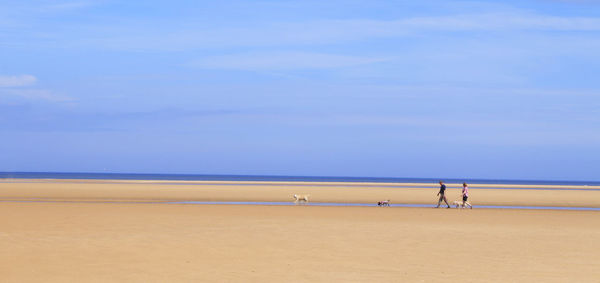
[(301, 198), (460, 204), (383, 203)]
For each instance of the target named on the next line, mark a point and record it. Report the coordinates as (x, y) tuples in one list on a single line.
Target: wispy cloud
[(192, 34), (576, 1), (466, 130), (500, 21), (196, 36), (68, 6), (31, 10), (65, 119), (20, 86), (17, 81), (281, 61), (37, 94)]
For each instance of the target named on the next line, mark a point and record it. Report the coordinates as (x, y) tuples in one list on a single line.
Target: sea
[(202, 177)]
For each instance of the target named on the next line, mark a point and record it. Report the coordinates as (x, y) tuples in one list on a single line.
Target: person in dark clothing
[(442, 195)]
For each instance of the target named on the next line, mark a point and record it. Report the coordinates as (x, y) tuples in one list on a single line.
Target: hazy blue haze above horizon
[(452, 89)]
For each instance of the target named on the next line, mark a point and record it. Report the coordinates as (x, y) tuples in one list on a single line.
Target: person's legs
[(445, 200), (440, 200), (465, 202)]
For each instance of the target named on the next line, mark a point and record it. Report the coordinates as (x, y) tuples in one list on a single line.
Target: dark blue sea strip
[(201, 177), (343, 185)]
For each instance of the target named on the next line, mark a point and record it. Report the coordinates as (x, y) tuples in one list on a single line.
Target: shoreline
[(312, 204), (278, 178), (299, 183)]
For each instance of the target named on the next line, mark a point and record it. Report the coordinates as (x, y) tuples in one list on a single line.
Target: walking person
[(442, 195), (465, 196)]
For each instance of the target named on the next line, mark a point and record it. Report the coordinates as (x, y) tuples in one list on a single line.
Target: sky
[(431, 89)]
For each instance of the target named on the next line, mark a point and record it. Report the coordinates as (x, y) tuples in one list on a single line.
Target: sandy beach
[(410, 193), (99, 231)]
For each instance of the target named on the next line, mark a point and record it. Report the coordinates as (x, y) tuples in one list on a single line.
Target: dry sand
[(87, 240)]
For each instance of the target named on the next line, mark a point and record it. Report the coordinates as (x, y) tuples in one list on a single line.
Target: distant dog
[(301, 198), (383, 203), (460, 204)]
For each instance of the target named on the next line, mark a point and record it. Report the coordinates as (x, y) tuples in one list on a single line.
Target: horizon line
[(356, 178)]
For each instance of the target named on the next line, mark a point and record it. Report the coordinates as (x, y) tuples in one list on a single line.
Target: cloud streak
[(134, 35), (17, 81), (20, 86), (500, 21), (65, 119), (176, 38), (281, 61), (37, 94)]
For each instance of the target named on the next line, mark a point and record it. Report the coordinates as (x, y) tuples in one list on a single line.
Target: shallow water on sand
[(275, 203), (373, 205)]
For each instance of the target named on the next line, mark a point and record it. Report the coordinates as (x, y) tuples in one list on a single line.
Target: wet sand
[(90, 190), (139, 242)]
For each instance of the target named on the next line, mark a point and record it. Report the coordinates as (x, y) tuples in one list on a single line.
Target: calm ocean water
[(193, 177)]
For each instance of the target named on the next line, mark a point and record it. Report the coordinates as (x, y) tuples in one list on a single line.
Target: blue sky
[(463, 89)]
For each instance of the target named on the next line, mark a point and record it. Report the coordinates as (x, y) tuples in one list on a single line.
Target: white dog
[(460, 204), (301, 198), (383, 203)]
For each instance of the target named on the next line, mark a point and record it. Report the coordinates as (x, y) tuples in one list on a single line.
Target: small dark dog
[(383, 203)]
